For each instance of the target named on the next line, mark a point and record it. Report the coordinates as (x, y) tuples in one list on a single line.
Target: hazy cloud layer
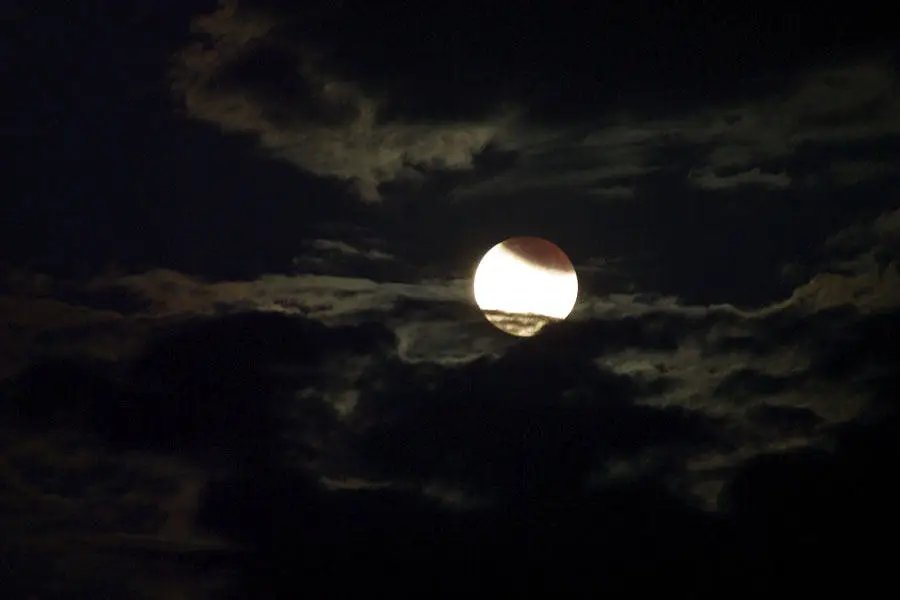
[(750, 144), (239, 352), (332, 127), (753, 381), (320, 123), (349, 395)]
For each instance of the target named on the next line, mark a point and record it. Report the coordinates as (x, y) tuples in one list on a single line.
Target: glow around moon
[(523, 283)]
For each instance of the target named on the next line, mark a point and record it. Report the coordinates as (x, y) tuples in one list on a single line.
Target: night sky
[(239, 352)]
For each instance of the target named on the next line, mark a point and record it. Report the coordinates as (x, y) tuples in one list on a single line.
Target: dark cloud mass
[(240, 355)]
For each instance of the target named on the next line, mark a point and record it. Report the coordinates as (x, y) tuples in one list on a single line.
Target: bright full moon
[(523, 283)]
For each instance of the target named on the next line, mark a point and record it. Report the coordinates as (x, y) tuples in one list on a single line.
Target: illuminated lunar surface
[(523, 283)]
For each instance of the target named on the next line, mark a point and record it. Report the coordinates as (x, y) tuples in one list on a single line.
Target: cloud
[(790, 499), (828, 106), (785, 419), (870, 290), (43, 326), (364, 258), (561, 160), (719, 148), (346, 249), (640, 404), (863, 270), (779, 375), (200, 386), (315, 120), (317, 296), (360, 366), (152, 415), (449, 342), (851, 172), (709, 180), (491, 429), (742, 382), (432, 320), (78, 519), (252, 70), (778, 379)]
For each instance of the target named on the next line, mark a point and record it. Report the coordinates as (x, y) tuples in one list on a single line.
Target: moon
[(523, 283)]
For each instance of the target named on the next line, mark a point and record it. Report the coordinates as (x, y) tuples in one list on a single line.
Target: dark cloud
[(105, 166), (383, 61), (402, 545), (490, 427), (780, 525), (223, 375), (655, 173), (578, 61), (347, 143), (750, 382), (498, 461), (207, 388), (788, 419), (805, 509), (274, 75), (861, 351)]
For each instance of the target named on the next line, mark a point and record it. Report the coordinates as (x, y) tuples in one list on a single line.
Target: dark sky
[(239, 356)]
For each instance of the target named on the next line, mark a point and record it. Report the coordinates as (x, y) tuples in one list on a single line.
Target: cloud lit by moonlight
[(523, 283)]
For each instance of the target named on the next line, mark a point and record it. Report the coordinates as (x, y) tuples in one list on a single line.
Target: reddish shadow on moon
[(539, 252)]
